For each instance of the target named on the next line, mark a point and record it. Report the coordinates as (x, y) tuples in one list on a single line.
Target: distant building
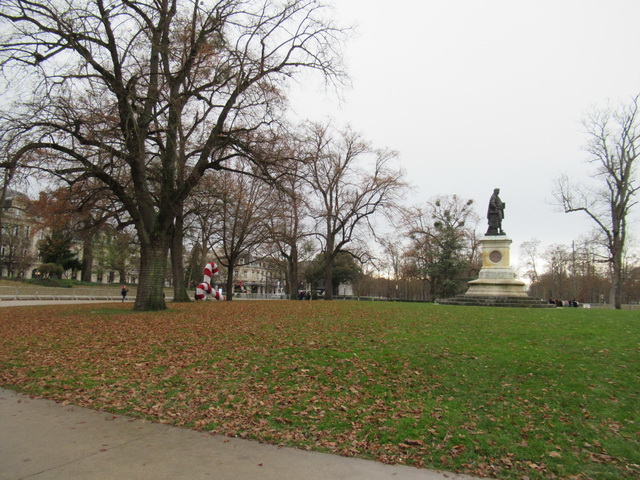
[(20, 256), (19, 237), (261, 276)]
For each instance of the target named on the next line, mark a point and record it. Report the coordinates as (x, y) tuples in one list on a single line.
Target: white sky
[(477, 94)]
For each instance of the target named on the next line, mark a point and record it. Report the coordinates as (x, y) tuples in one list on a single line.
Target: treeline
[(168, 121)]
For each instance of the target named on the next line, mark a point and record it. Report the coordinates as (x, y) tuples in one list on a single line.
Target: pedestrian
[(123, 292)]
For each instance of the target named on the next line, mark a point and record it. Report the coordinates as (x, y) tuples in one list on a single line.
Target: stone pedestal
[(497, 284), (496, 278)]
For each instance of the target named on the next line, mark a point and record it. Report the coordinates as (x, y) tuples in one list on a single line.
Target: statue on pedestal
[(495, 214), (497, 284)]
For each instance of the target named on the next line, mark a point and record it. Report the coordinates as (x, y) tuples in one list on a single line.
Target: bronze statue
[(495, 214)]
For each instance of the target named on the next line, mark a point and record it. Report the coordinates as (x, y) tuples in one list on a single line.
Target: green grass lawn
[(510, 393)]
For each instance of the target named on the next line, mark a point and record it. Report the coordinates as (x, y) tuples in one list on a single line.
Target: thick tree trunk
[(293, 281), (230, 281), (292, 261), (433, 288), (153, 265), (87, 258), (616, 280), (287, 281), (177, 262), (329, 256)]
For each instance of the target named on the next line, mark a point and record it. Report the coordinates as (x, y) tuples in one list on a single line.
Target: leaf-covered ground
[(509, 393)]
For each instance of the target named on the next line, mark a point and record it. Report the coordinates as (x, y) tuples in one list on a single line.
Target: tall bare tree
[(393, 251), (613, 148), (287, 218), (239, 223), (108, 90), (201, 222), (530, 256), (288, 229), (350, 182)]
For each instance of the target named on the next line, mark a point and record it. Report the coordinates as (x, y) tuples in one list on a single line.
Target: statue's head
[(496, 190)]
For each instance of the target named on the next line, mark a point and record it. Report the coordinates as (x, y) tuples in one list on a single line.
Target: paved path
[(44, 440)]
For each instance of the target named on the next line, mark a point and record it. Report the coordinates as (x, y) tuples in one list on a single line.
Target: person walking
[(123, 292)]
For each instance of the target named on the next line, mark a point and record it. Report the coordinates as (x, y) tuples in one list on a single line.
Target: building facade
[(258, 276), (19, 237)]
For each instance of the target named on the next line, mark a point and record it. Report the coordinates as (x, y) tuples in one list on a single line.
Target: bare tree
[(557, 272), (614, 143), (350, 183), (632, 278), (590, 267), (530, 256), (239, 223), (147, 96), (287, 220), (579, 271), (394, 255), (201, 214)]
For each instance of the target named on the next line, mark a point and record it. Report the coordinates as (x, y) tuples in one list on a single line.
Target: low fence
[(631, 306), (26, 292), (54, 293), (260, 296), (368, 299)]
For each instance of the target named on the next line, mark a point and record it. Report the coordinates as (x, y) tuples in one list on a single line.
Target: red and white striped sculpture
[(204, 290)]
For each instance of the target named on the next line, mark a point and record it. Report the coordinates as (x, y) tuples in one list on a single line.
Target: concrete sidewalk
[(45, 440)]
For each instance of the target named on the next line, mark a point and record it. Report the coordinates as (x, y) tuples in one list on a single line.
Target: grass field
[(510, 393)]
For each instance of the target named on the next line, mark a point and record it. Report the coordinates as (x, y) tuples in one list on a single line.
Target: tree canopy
[(146, 96)]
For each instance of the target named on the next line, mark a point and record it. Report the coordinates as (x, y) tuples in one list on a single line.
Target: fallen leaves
[(398, 383)]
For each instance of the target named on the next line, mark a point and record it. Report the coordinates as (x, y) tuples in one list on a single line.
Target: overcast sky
[(477, 94)]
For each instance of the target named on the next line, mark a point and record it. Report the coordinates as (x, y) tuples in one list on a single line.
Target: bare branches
[(146, 97), (206, 71), (614, 140), (349, 183)]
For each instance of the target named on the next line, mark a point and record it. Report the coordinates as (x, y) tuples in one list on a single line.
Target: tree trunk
[(153, 265), (293, 273), (432, 289), (87, 258), (230, 281), (177, 261), (8, 176), (288, 287), (616, 280), (328, 277), (293, 281)]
